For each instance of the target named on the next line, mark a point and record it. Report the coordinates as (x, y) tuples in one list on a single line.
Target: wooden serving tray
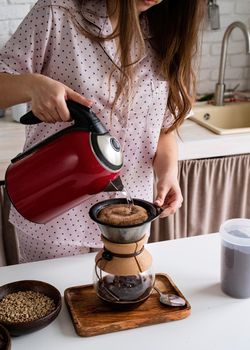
[(91, 316)]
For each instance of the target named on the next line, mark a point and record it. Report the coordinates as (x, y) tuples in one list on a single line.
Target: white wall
[(238, 63), (11, 14)]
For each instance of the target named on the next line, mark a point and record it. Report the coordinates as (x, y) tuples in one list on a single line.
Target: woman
[(131, 61)]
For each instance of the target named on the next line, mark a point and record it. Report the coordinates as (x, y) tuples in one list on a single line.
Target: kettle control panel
[(115, 144), (107, 150)]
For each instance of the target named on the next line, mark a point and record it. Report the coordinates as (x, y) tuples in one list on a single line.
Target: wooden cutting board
[(91, 316)]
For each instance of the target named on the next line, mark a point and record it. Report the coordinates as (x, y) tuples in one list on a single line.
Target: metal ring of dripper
[(125, 234)]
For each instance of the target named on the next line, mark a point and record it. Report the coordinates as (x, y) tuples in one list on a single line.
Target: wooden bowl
[(19, 328), (5, 340)]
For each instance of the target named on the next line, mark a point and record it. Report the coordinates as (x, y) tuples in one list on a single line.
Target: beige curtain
[(214, 190)]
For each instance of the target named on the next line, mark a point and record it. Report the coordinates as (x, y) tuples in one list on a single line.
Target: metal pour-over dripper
[(125, 234)]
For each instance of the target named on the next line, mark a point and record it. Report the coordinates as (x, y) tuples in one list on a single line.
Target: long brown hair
[(174, 31)]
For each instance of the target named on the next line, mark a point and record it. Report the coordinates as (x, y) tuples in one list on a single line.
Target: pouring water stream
[(127, 195)]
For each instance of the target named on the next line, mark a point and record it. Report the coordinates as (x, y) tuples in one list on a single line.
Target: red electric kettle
[(65, 169)]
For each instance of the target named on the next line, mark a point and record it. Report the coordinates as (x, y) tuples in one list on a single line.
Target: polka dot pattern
[(48, 42)]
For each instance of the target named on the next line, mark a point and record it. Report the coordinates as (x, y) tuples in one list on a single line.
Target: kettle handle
[(83, 116)]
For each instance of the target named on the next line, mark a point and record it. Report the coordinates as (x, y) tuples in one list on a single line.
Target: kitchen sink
[(232, 118)]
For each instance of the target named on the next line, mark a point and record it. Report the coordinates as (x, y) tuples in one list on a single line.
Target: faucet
[(220, 86)]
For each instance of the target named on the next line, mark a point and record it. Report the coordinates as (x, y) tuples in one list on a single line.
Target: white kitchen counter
[(197, 142), (217, 321)]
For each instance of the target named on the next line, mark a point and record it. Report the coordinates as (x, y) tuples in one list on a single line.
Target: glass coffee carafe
[(123, 273)]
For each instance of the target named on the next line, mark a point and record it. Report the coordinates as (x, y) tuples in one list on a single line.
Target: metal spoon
[(170, 299)]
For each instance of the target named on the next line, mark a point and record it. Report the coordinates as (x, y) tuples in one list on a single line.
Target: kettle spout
[(114, 185)]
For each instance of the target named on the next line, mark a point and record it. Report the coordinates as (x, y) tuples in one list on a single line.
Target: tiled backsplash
[(238, 63)]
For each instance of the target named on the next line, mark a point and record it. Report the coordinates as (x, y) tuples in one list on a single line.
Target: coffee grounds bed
[(90, 316)]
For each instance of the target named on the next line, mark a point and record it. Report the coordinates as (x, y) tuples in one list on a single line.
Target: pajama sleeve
[(168, 120)]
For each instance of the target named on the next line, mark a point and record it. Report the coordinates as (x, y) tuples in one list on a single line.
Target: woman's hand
[(168, 195), (48, 99), (168, 192)]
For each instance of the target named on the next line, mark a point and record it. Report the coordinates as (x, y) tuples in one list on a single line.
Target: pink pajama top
[(49, 42)]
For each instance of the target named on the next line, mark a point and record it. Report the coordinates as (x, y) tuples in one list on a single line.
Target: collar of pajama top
[(95, 13)]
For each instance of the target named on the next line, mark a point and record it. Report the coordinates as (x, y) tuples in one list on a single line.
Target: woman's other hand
[(168, 192), (48, 99), (168, 195)]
